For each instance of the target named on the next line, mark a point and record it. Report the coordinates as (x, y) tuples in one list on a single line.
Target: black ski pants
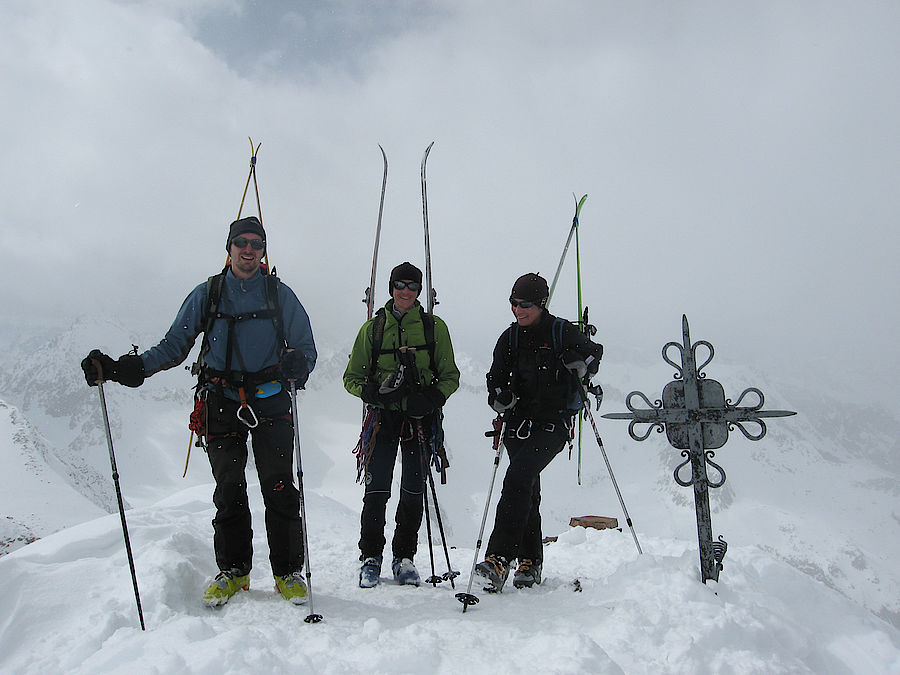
[(273, 446), (517, 524), (379, 476)]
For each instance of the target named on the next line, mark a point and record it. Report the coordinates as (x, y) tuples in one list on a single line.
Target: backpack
[(573, 399)]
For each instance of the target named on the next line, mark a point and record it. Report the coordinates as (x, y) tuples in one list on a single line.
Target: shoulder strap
[(273, 303), (213, 296), (377, 339), (428, 325), (513, 336), (557, 333), (512, 345)]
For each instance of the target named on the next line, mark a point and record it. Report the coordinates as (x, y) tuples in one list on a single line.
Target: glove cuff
[(130, 370)]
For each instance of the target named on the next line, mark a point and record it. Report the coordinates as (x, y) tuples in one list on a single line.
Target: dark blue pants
[(273, 448)]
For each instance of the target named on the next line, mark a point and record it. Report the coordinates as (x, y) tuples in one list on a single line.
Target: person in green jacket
[(404, 385)]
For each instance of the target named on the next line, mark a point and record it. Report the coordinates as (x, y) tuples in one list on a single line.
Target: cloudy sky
[(742, 162)]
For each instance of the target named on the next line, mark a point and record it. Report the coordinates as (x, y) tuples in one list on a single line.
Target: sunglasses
[(255, 244), (414, 286), (524, 304)]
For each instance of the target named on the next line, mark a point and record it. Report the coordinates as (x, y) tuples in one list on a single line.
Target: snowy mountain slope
[(634, 614), (48, 386), (40, 494), (818, 492)]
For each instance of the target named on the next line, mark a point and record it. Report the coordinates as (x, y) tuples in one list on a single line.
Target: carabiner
[(253, 421), (526, 425)]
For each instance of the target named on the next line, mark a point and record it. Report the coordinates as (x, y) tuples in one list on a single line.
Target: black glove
[(502, 400), (393, 387), (423, 401), (369, 394), (294, 367), (578, 365), (128, 370)]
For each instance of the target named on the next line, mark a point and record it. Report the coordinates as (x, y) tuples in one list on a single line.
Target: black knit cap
[(532, 287), (405, 272), (243, 226)]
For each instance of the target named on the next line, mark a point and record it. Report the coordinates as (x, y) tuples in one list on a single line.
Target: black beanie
[(532, 287), (405, 272), (243, 226)]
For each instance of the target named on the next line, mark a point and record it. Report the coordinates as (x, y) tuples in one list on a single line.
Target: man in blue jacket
[(257, 337)]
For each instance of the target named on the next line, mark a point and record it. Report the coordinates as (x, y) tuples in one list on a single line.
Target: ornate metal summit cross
[(697, 418)]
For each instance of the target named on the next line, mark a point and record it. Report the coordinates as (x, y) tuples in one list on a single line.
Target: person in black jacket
[(537, 365)]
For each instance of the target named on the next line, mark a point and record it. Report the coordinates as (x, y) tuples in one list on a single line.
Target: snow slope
[(40, 494), (634, 614), (810, 582)]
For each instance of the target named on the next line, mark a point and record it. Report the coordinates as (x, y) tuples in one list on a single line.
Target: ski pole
[(587, 408), (499, 429), (312, 617), (450, 574), (115, 477), (434, 579)]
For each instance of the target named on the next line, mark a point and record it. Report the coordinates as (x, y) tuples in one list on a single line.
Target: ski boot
[(292, 587), (405, 572), (493, 572), (224, 586), (370, 572), (528, 573)]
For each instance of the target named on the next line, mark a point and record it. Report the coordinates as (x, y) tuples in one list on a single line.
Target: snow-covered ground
[(69, 607), (810, 582)]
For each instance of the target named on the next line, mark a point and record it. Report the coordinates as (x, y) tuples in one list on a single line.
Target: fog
[(740, 161)]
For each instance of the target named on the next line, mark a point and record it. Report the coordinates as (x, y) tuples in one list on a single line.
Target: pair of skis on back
[(430, 293)]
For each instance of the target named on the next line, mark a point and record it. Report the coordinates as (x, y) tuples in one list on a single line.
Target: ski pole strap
[(100, 378), (439, 451), (431, 448)]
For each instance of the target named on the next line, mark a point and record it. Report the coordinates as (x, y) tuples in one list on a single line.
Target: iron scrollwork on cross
[(696, 418)]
